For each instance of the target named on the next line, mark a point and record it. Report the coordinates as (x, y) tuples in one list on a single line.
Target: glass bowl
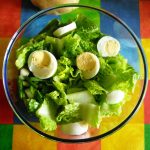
[(109, 24)]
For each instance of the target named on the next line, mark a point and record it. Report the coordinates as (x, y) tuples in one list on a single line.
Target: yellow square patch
[(130, 105), (130, 137), (146, 47), (25, 138), (139, 116)]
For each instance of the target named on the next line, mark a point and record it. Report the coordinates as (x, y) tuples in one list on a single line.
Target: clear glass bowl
[(109, 24)]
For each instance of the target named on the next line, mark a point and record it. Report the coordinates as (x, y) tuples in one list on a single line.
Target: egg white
[(103, 46), (65, 29), (43, 72)]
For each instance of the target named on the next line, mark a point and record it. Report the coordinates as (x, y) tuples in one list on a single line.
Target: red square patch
[(145, 18), (10, 12), (84, 146), (147, 105), (6, 113)]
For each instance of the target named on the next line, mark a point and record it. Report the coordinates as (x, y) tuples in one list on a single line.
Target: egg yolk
[(111, 47), (41, 59), (86, 61)]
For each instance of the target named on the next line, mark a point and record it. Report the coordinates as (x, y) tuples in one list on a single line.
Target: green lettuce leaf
[(47, 115), (91, 114), (108, 110), (89, 46), (21, 89), (32, 105), (64, 69), (71, 46), (87, 29), (54, 45), (64, 74), (126, 80), (116, 73), (65, 61), (81, 97), (58, 98), (94, 88), (106, 76), (69, 114), (118, 63), (61, 88), (22, 54)]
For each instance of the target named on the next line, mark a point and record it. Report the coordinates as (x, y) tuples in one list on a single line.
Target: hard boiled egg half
[(108, 46), (89, 64), (42, 64)]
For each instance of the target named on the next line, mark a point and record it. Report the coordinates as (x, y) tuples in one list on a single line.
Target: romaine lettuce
[(32, 105), (87, 29), (108, 110), (58, 98), (46, 114), (71, 47), (69, 114), (94, 87), (91, 113)]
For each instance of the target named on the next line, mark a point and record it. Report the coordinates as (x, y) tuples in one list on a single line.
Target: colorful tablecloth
[(133, 136)]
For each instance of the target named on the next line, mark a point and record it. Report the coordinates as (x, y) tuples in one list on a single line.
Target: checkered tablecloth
[(135, 135)]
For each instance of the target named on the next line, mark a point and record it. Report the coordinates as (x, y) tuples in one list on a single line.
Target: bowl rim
[(21, 117)]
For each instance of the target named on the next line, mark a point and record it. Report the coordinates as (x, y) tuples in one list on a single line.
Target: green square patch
[(6, 132), (147, 136)]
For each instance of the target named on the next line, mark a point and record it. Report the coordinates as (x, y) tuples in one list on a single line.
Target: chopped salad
[(72, 75)]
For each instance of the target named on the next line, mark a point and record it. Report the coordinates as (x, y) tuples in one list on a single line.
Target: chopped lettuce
[(38, 96), (71, 46), (64, 69), (47, 123), (81, 97), (21, 90), (65, 61), (64, 74), (53, 44), (108, 110), (77, 112), (58, 98), (88, 46), (87, 29), (69, 114), (91, 113), (94, 87), (32, 105), (22, 54), (74, 90), (46, 114), (116, 73), (60, 86)]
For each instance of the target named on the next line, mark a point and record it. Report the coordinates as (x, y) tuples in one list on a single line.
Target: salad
[(72, 75)]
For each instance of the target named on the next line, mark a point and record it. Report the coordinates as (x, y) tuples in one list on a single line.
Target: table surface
[(135, 135)]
